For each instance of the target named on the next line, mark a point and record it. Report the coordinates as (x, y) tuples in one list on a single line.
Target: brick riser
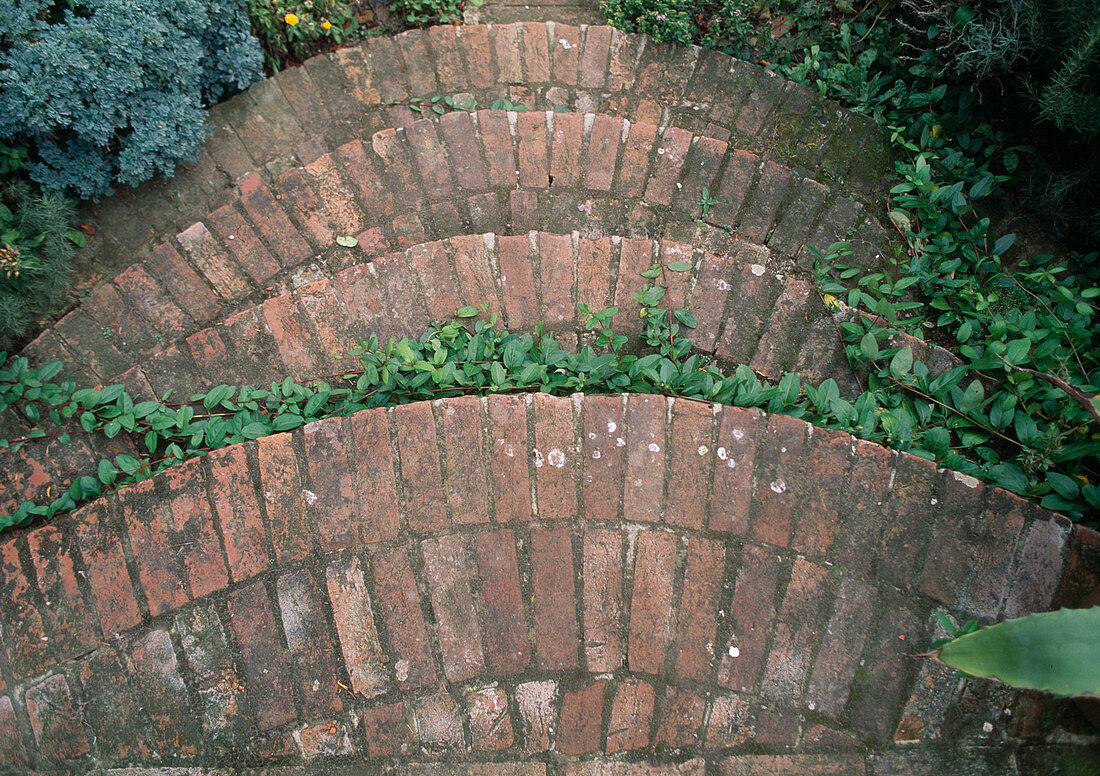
[(498, 577), (492, 171), (308, 111), (745, 314)]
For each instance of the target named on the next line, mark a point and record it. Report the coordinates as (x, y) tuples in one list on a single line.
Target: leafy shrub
[(108, 91), (423, 12), (36, 251), (290, 32), (663, 20)]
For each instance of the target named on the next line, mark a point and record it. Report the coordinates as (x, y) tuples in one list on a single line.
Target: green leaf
[(1053, 652), (107, 472), (1003, 244), (868, 345), (346, 241), (254, 430), (286, 422), (466, 312), (902, 362), (679, 266)]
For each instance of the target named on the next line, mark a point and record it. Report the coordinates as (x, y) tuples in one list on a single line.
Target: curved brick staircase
[(512, 584)]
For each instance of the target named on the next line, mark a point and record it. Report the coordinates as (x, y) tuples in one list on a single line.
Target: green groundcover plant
[(904, 407)]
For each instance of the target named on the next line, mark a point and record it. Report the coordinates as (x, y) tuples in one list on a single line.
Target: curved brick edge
[(508, 575), (486, 172), (304, 112), (745, 314)]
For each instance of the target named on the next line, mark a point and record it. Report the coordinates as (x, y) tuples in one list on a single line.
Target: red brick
[(112, 708), (448, 58), (476, 277), (536, 54), (304, 204), (243, 243), (631, 715), (581, 719), (72, 626), (148, 296), (373, 477), (556, 274), (594, 62), (284, 498), (779, 457), (524, 208), (22, 623), (565, 49), (672, 151), (736, 180), (497, 138), (689, 464), (822, 496), (678, 284), (554, 453), (565, 149), (386, 731), (635, 166), (156, 673), (201, 557), (751, 613), (440, 289), (357, 288), (55, 720), (538, 712), (534, 163), (324, 738), (886, 673), (680, 719), (490, 725), (506, 48), (220, 270), (420, 472), (268, 216), (503, 624), (635, 257), (594, 274), (333, 502), (399, 605), (335, 338), (403, 305), (861, 523), (698, 608), (177, 276), (311, 649), (508, 458), (795, 635), (474, 42), (604, 139), (251, 345), (603, 571), (1040, 563), (517, 280), (556, 634), (430, 157), (238, 512), (107, 576), (456, 621), (729, 723), (12, 750), (292, 337), (603, 462), (793, 765), (437, 721), (147, 523), (841, 647), (211, 357), (821, 736), (958, 500), (464, 455), (645, 458), (651, 612), (214, 675), (460, 138), (602, 767), (266, 672), (375, 201), (353, 614), (129, 332), (757, 220)]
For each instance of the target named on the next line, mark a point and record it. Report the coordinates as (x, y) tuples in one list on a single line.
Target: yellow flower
[(290, 19), (326, 24)]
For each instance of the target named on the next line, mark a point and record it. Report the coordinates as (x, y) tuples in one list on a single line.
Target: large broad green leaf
[(1057, 652)]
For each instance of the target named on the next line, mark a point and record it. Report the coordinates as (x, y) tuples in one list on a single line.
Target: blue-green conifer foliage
[(114, 91)]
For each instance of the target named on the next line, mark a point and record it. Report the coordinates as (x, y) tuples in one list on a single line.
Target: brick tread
[(406, 625)]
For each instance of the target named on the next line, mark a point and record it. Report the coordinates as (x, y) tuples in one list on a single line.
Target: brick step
[(492, 578), (492, 171), (745, 313), (307, 111)]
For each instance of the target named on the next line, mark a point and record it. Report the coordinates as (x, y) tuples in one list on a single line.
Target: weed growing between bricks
[(904, 407)]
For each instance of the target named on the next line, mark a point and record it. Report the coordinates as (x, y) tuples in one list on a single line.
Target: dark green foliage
[(108, 91)]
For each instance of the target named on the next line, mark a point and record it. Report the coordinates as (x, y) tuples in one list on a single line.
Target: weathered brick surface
[(166, 701), (751, 614), (631, 716), (556, 632), (311, 648), (581, 719), (421, 477), (407, 632), (538, 711), (266, 670), (456, 621), (55, 720), (652, 615), (554, 457)]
